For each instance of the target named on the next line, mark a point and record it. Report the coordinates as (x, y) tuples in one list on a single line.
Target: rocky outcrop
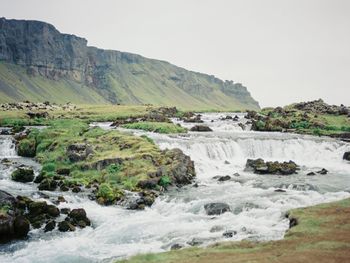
[(79, 152), (105, 75), (259, 166)]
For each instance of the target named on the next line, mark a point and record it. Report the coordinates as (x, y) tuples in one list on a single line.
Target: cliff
[(37, 62)]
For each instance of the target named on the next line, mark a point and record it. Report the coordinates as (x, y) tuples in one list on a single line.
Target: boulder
[(216, 208), (65, 226), (48, 185), (259, 166), (346, 156), (50, 226), (322, 171), (201, 128), (223, 178), (77, 217), (23, 174), (79, 152)]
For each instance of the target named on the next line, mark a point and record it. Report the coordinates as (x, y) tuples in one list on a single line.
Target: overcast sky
[(283, 50)]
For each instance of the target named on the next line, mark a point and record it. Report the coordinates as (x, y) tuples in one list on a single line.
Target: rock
[(193, 119), (346, 156), (23, 174), (61, 199), (181, 170), (148, 184), (51, 224), (21, 226), (226, 162), (33, 115), (259, 166), (216, 229), (76, 189), (280, 191), (63, 171), (53, 211), (229, 233), (195, 242), (79, 152), (310, 174), (322, 171), (224, 178), (48, 185), (6, 161), (65, 226), (37, 208), (292, 222), (201, 128), (78, 218), (216, 208), (176, 247), (26, 147), (65, 211)]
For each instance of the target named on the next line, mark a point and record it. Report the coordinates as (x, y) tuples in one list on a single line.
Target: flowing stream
[(178, 217)]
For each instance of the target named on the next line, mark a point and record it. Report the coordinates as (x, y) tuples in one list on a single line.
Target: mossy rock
[(23, 174)]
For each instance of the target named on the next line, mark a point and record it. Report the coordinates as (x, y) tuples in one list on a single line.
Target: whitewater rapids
[(258, 212)]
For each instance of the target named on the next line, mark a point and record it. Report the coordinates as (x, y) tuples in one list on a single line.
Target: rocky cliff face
[(117, 77)]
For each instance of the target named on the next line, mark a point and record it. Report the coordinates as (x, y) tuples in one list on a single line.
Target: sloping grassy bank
[(322, 235)]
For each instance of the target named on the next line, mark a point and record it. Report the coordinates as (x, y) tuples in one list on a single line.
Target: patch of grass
[(159, 127)]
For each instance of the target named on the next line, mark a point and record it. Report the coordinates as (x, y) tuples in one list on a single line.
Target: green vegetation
[(322, 235), (159, 127), (26, 147)]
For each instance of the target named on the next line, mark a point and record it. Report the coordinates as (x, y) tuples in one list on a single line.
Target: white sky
[(283, 50)]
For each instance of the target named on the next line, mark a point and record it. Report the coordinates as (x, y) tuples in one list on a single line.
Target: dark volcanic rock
[(259, 166), (346, 156), (216, 208), (201, 128), (23, 174)]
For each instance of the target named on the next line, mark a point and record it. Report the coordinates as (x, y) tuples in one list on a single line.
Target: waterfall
[(7, 147)]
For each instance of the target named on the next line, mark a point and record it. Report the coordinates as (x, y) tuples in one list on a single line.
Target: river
[(178, 217)]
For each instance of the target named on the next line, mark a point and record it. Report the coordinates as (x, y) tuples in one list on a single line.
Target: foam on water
[(179, 216)]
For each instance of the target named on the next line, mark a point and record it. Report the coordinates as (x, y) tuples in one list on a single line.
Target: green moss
[(165, 181), (27, 147), (159, 127)]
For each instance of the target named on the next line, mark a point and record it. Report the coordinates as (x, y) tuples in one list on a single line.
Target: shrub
[(164, 181)]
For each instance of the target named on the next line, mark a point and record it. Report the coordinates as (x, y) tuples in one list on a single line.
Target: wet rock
[(76, 189), (201, 128), (21, 226), (259, 166), (229, 233), (79, 152), (78, 217), (50, 226), (226, 162), (61, 199), (23, 174), (193, 119), (65, 226), (224, 178), (216, 208), (176, 247), (310, 174), (53, 211), (322, 171), (216, 229), (37, 208), (48, 185), (346, 156), (65, 211), (195, 242), (280, 191), (181, 171), (236, 174), (292, 222), (6, 161)]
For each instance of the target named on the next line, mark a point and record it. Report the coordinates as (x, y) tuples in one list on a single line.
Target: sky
[(283, 51)]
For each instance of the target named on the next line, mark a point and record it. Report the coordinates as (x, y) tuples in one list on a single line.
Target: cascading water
[(179, 216)]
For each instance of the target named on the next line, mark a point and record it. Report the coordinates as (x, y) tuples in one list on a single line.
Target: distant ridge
[(39, 63)]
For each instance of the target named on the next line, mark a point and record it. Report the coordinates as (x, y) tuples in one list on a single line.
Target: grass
[(322, 235), (159, 127)]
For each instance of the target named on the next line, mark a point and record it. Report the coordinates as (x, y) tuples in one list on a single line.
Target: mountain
[(39, 63)]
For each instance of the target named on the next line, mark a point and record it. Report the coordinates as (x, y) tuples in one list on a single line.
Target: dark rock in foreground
[(259, 166), (201, 128), (346, 156), (216, 208), (23, 174)]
